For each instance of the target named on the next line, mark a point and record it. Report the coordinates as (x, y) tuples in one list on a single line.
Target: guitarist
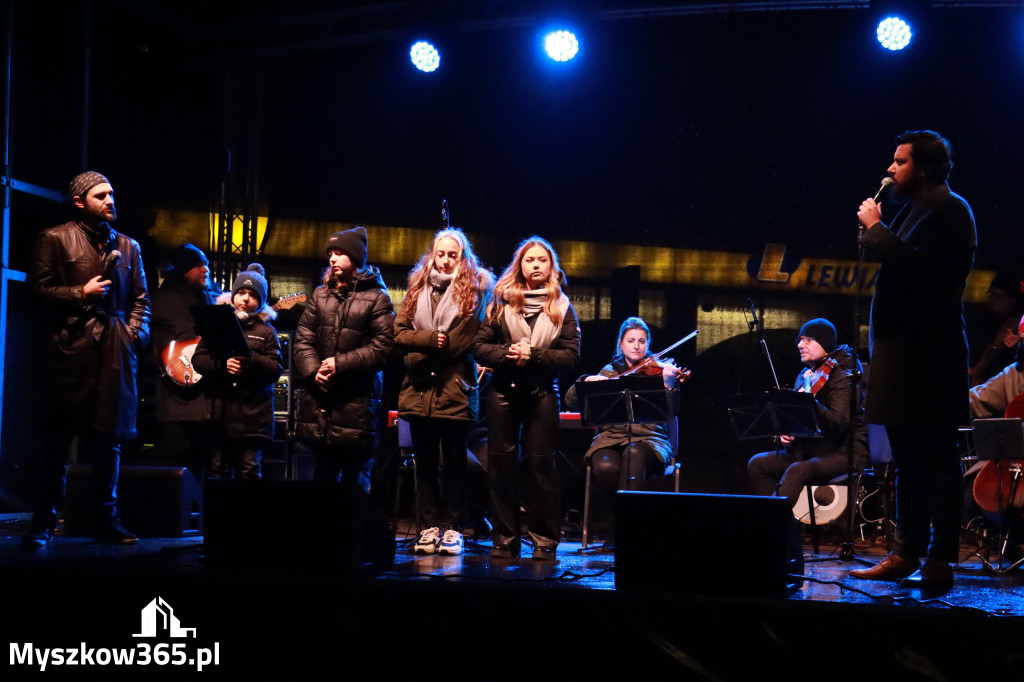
[(184, 412)]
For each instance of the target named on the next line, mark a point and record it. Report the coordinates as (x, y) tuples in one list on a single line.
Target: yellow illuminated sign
[(769, 270)]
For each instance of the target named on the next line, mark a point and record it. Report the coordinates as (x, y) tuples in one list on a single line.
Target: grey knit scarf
[(544, 331), (447, 308)]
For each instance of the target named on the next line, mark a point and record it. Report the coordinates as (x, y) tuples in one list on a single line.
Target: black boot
[(37, 538), (110, 531), (41, 531)]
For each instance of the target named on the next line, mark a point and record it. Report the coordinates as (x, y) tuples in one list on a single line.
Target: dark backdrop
[(717, 131)]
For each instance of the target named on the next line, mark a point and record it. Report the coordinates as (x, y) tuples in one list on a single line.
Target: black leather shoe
[(37, 538), (543, 554), (933, 575), (893, 567), (114, 533), (505, 551)]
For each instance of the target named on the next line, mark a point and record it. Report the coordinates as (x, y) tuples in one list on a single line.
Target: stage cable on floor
[(931, 603)]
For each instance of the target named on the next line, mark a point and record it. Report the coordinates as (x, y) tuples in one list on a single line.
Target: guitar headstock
[(289, 301)]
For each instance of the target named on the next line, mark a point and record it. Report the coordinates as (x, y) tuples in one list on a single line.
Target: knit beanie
[(83, 182), (352, 243), (254, 279), (186, 257), (822, 331)]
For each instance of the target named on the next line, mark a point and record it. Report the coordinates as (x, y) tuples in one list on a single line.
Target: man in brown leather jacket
[(89, 282)]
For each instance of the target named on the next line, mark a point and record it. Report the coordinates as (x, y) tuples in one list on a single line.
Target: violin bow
[(655, 358)]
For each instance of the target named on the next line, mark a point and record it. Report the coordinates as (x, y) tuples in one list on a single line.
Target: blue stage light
[(425, 56), (893, 33), (561, 45)]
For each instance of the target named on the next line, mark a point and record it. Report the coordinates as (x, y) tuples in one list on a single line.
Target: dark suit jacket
[(918, 347)]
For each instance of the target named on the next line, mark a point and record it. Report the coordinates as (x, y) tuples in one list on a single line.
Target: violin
[(997, 479), (653, 365), (815, 379)]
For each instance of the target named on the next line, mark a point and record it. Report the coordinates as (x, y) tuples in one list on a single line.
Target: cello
[(997, 488)]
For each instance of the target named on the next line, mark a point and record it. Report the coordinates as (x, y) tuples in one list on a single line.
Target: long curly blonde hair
[(509, 291), (471, 283)]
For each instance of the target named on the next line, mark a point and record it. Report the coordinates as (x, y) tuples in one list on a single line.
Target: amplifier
[(282, 395)]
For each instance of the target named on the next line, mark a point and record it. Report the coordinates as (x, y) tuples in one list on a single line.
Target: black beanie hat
[(352, 243), (822, 331), (186, 257), (254, 279)]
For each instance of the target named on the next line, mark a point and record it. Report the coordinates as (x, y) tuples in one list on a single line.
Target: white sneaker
[(451, 543), (429, 541)]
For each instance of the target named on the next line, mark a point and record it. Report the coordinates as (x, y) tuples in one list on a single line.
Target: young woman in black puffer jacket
[(342, 342)]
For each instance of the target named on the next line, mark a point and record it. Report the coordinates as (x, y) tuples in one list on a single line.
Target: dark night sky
[(708, 132)]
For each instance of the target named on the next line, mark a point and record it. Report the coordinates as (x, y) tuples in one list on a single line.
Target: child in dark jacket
[(244, 386)]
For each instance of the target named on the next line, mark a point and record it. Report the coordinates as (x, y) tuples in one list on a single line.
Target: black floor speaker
[(153, 501), (298, 526), (698, 544)]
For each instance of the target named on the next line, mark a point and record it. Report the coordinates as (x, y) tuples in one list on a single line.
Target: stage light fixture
[(893, 33), (425, 56), (561, 45)]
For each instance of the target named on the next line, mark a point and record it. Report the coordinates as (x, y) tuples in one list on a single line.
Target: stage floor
[(565, 616)]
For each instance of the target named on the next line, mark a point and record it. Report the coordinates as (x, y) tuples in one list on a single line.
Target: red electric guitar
[(176, 358)]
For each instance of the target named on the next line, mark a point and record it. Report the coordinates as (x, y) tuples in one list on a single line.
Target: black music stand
[(1001, 441), (774, 413), (223, 338), (623, 400), (220, 330), (626, 400)]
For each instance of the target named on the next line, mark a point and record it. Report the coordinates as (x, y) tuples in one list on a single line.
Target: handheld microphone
[(885, 183), (110, 262)]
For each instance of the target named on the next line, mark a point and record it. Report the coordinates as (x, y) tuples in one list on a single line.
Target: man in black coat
[(918, 378), (183, 410), (89, 282)]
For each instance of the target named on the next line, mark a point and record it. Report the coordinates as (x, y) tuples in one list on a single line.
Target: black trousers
[(625, 468), (102, 451), (240, 458), (526, 425), (768, 469), (188, 444), (929, 491), (350, 464), (441, 499)]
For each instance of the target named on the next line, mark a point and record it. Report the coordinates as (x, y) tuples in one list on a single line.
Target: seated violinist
[(827, 375), (621, 460)]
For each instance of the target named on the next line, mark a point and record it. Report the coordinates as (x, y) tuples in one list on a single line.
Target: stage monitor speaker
[(697, 544), (153, 501), (294, 526)]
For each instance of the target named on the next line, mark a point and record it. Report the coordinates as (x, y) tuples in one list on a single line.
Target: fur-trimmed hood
[(266, 313)]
